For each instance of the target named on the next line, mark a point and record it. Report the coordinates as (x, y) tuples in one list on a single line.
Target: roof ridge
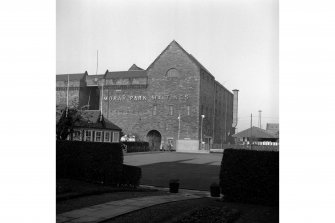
[(246, 131), (127, 71), (134, 67)]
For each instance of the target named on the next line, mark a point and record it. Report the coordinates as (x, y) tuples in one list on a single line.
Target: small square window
[(98, 136), (116, 137), (107, 137), (88, 135), (76, 136)]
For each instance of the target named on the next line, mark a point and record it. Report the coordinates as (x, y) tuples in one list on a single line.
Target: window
[(98, 136), (107, 137), (154, 111), (88, 135), (172, 73), (188, 110), (116, 137), (76, 135), (171, 109)]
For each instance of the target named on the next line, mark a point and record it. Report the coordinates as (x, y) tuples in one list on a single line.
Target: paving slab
[(101, 212)]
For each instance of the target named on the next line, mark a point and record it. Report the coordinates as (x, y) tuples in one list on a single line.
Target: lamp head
[(202, 116)]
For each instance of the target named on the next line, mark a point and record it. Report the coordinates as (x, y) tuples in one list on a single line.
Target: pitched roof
[(174, 42), (255, 132), (135, 67), (190, 56), (72, 77), (199, 64), (90, 119), (126, 74)]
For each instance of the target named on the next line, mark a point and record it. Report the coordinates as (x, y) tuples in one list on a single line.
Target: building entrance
[(154, 139)]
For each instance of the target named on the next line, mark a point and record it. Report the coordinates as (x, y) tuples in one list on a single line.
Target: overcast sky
[(236, 40)]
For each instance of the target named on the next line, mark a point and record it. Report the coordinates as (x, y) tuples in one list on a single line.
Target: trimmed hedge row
[(250, 176), (133, 147), (131, 176), (89, 161)]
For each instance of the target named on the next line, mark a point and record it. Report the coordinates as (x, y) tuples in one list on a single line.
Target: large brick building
[(161, 104)]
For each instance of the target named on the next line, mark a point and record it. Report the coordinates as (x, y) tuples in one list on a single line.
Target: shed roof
[(89, 119), (255, 132)]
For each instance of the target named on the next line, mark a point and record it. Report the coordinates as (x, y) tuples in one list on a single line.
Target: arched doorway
[(154, 138)]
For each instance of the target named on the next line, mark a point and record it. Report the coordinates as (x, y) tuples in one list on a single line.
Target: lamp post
[(178, 126), (202, 119)]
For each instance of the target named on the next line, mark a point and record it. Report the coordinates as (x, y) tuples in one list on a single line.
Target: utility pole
[(225, 118), (178, 126), (96, 72), (251, 131), (67, 95), (260, 119), (101, 99)]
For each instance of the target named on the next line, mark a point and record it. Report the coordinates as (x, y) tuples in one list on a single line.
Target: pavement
[(102, 212)]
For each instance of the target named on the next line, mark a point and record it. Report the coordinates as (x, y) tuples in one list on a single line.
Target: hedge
[(89, 161), (249, 176), (133, 147), (131, 176)]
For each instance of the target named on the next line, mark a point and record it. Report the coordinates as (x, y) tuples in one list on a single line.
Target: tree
[(66, 123)]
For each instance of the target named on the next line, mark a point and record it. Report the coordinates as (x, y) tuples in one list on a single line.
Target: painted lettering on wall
[(126, 97), (170, 97), (145, 98)]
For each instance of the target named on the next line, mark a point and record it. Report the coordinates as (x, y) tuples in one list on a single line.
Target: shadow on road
[(191, 176)]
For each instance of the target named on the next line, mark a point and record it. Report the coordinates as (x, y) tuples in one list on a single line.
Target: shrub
[(250, 176), (133, 147), (215, 190), (174, 185), (89, 161), (131, 176)]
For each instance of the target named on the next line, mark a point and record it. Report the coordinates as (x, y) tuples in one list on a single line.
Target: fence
[(222, 147)]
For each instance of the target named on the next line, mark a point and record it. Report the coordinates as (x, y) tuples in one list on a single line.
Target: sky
[(236, 40)]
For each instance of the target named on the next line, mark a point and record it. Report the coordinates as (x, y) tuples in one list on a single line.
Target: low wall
[(247, 147), (187, 146), (133, 147)]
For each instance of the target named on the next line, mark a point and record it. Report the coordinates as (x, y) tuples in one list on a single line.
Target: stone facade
[(174, 85)]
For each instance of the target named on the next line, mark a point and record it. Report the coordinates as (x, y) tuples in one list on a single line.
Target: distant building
[(176, 100), (273, 128), (256, 136)]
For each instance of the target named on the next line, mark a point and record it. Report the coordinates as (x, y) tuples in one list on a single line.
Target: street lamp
[(202, 119), (179, 126)]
